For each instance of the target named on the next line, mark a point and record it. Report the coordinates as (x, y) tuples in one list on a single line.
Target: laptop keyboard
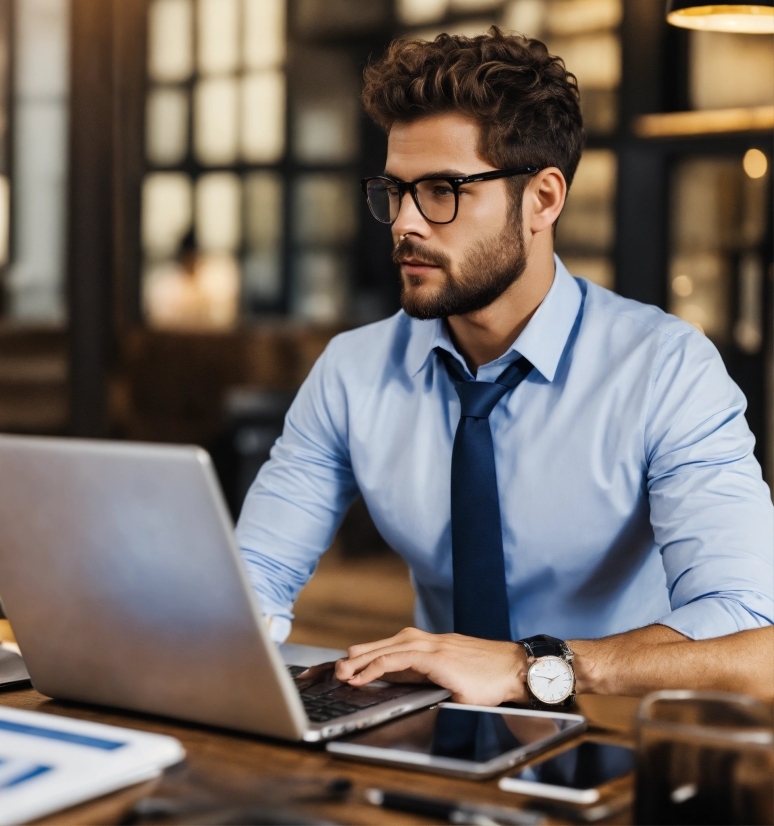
[(328, 699)]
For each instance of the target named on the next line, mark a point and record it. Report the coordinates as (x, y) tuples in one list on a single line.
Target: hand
[(478, 672)]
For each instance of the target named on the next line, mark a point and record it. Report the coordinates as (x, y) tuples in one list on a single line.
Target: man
[(548, 457)]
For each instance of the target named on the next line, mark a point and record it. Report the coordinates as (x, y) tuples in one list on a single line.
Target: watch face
[(550, 679)]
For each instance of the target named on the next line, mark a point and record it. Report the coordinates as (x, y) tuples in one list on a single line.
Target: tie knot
[(479, 398)]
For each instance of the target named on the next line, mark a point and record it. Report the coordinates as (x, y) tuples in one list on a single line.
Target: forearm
[(657, 657)]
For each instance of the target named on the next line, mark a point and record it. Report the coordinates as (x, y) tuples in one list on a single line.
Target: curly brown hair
[(526, 101)]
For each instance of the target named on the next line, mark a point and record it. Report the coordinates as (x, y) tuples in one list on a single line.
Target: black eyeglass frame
[(454, 182)]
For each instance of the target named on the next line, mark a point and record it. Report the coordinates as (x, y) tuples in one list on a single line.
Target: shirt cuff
[(279, 627), (710, 617)]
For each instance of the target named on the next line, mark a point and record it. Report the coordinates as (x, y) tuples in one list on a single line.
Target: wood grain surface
[(232, 767), (347, 601)]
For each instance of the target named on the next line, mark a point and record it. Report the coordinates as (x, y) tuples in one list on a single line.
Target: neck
[(485, 335)]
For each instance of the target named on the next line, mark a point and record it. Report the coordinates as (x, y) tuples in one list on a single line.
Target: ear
[(544, 199)]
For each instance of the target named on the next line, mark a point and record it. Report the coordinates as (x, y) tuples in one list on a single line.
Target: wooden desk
[(229, 762)]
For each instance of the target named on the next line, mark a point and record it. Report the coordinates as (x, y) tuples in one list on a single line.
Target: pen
[(450, 810)]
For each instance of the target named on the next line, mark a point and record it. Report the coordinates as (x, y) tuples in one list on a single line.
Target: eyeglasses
[(437, 198)]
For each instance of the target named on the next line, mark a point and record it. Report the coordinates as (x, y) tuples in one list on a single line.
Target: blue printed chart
[(48, 762)]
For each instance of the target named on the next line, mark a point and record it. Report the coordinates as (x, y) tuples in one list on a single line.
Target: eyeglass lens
[(437, 200)]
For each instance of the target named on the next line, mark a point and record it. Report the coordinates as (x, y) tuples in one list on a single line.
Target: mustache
[(408, 248)]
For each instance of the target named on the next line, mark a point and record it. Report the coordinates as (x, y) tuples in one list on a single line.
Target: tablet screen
[(461, 734)]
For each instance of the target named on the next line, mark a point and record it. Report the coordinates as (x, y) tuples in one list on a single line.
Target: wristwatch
[(550, 675)]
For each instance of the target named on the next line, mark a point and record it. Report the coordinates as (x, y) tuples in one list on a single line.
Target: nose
[(410, 220)]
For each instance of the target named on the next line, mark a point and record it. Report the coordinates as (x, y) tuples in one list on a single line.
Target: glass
[(755, 200), (326, 130), (215, 121), (312, 18), (261, 278), (264, 33), (218, 36), (704, 757), (166, 135), (419, 12), (219, 212), (262, 274), (596, 177), (730, 70), (585, 233), (586, 226), (324, 209), (474, 6), (263, 210), (568, 17), (716, 209), (437, 198), (595, 59), (166, 212), (320, 284), (716, 272), (600, 110), (263, 117), (748, 330), (5, 215), (525, 16), (36, 278), (170, 40), (701, 291)]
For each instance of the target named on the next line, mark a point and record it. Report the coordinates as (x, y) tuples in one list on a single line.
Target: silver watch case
[(568, 658)]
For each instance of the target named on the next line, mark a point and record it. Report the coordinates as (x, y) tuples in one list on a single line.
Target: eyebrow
[(442, 173)]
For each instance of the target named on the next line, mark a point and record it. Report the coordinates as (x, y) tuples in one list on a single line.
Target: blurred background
[(182, 228)]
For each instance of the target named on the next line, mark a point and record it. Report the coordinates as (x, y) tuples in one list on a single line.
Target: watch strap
[(542, 645)]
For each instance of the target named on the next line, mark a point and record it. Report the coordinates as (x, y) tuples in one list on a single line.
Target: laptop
[(124, 585)]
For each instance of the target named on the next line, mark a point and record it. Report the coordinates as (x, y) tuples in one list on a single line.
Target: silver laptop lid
[(121, 577)]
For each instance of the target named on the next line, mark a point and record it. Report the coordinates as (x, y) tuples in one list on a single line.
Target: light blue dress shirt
[(629, 493)]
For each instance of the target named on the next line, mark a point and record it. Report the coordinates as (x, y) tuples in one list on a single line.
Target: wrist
[(518, 692), (590, 675)]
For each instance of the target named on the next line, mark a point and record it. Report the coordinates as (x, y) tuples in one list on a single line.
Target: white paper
[(49, 762)]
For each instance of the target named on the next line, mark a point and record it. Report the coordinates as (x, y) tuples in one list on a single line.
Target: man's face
[(457, 268)]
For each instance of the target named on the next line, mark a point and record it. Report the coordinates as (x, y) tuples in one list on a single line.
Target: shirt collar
[(542, 341)]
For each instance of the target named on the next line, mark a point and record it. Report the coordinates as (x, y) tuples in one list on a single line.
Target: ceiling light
[(740, 17), (755, 163)]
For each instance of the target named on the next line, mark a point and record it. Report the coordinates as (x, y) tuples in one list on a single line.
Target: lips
[(416, 265)]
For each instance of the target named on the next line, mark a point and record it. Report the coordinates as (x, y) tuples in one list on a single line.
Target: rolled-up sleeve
[(711, 511), (294, 507)]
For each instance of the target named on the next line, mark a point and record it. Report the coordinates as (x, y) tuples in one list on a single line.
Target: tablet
[(461, 740)]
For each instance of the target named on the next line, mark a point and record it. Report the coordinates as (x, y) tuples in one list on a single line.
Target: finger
[(416, 661), (315, 671), (346, 669), (365, 647), (404, 677)]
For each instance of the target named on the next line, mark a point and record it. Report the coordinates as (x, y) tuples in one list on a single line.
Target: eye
[(441, 190)]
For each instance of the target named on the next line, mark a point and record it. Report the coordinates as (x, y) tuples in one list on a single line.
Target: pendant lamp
[(730, 16)]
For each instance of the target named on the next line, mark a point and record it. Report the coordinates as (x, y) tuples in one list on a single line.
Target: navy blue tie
[(480, 595)]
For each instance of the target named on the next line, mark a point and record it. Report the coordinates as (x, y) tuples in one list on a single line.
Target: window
[(215, 143), (35, 279)]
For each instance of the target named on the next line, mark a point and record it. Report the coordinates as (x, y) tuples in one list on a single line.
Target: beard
[(486, 272)]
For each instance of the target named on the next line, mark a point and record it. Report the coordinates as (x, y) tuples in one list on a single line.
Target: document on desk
[(48, 763)]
